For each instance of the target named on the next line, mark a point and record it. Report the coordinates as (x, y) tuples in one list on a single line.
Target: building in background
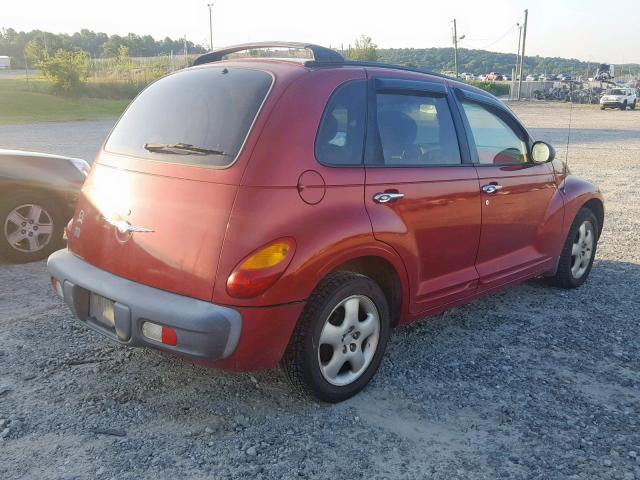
[(5, 62)]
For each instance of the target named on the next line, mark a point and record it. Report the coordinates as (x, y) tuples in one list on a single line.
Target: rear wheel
[(340, 338), (31, 226), (578, 252), (633, 105)]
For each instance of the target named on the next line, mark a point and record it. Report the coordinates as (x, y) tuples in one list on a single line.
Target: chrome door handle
[(491, 188), (387, 197)]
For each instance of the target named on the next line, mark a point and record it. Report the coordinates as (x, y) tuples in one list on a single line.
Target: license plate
[(101, 309)]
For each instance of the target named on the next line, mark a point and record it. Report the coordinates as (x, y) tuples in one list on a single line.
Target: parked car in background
[(192, 237), (494, 76), (38, 193), (532, 78), (619, 97), (564, 77)]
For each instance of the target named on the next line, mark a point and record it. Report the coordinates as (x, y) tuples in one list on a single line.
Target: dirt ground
[(533, 383)]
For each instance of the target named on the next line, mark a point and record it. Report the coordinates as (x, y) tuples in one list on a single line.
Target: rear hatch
[(156, 204)]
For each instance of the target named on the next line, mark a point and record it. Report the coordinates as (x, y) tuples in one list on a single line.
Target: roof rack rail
[(320, 54), (358, 63)]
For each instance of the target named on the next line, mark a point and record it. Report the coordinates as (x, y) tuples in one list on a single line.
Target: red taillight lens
[(260, 270), (169, 336), (160, 333)]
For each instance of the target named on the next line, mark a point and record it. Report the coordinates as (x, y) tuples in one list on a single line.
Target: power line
[(495, 40)]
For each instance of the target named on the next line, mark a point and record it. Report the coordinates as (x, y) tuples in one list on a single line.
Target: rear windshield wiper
[(181, 149)]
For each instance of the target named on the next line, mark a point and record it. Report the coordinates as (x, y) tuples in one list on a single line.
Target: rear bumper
[(205, 331)]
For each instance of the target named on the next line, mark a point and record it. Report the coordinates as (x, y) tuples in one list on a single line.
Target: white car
[(619, 97)]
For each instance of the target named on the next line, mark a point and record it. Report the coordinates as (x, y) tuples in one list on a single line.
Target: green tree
[(65, 70), (35, 52), (364, 50)]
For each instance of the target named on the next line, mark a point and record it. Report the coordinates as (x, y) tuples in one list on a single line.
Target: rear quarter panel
[(269, 206)]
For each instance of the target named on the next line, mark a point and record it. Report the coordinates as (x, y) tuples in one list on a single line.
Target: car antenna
[(566, 154)]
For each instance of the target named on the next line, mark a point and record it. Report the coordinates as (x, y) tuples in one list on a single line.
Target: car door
[(421, 192), (516, 193)]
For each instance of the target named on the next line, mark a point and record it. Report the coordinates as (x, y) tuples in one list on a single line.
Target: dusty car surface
[(250, 212), (37, 198)]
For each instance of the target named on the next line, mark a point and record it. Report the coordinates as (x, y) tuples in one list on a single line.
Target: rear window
[(197, 117), (616, 91)]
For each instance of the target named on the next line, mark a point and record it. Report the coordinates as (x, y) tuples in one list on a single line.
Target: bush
[(493, 88), (65, 70)]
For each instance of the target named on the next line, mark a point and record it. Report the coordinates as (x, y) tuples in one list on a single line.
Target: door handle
[(491, 188), (387, 197)]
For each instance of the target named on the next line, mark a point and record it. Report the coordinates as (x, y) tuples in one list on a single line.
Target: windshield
[(616, 91), (199, 117)]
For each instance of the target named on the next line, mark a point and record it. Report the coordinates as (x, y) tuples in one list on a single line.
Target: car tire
[(623, 107), (602, 107), (326, 330), (633, 105), (31, 226), (578, 252)]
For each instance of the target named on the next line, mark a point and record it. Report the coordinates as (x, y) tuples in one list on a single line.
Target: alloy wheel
[(349, 340), (582, 249), (28, 228)]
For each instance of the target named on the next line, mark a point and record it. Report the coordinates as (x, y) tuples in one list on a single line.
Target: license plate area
[(102, 310)]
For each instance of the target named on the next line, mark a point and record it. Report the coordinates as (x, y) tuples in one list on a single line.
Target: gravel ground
[(531, 383)]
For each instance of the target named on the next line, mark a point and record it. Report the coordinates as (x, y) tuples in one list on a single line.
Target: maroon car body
[(444, 243)]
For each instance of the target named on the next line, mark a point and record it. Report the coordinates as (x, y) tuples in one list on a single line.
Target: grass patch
[(21, 104)]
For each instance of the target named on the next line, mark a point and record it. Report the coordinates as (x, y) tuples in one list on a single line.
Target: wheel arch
[(579, 193), (384, 273), (597, 207), (61, 199)]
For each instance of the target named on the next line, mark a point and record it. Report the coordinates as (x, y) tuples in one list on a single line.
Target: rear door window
[(199, 117)]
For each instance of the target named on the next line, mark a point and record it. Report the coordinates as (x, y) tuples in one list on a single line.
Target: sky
[(590, 30)]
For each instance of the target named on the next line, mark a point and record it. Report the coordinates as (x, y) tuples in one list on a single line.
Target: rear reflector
[(160, 333), (57, 286)]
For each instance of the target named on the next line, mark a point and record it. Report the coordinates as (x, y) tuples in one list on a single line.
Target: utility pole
[(210, 5), (524, 42), (515, 71), (455, 45)]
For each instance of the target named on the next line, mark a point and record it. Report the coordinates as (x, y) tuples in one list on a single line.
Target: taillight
[(160, 333), (260, 270)]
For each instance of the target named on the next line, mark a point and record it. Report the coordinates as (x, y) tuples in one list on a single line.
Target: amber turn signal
[(261, 269)]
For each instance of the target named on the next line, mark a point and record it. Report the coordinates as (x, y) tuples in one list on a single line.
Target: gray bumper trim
[(204, 330)]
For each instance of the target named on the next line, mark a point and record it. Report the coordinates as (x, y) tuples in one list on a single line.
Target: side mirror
[(542, 152)]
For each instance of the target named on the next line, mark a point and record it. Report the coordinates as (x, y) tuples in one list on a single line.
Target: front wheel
[(623, 106), (340, 338), (578, 252)]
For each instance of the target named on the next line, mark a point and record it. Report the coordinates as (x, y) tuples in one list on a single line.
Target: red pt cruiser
[(256, 211)]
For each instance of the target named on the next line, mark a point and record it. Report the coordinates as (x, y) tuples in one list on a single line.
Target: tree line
[(96, 44), (481, 61)]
